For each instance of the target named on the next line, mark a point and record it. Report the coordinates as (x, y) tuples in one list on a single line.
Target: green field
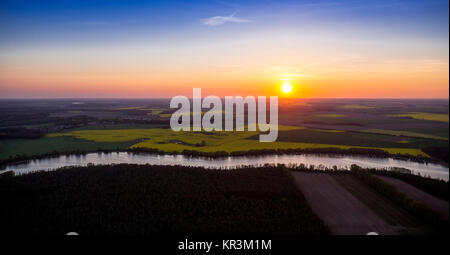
[(396, 126), (330, 115), (289, 138), (355, 107), (405, 133), (121, 126), (166, 140), (424, 116), (350, 138), (149, 111), (32, 147)]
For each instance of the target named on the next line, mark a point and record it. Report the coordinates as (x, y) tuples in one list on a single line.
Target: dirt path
[(341, 212), (437, 204)]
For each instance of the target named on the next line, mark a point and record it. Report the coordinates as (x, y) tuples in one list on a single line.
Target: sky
[(155, 49)]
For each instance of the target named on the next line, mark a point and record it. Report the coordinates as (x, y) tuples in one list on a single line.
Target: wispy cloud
[(219, 20)]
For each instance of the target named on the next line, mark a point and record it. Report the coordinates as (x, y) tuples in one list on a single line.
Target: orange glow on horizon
[(54, 81)]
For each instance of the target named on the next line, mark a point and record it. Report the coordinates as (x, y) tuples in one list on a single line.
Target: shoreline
[(237, 161), (371, 153)]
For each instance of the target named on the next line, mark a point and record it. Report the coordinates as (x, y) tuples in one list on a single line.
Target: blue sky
[(241, 42), (35, 22)]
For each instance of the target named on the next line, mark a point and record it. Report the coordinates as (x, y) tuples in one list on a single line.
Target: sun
[(286, 87)]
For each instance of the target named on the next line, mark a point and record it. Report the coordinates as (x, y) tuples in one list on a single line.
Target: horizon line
[(146, 98)]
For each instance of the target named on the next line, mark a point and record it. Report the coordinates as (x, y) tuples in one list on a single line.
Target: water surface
[(51, 163)]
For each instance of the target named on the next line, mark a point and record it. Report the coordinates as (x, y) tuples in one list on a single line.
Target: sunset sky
[(143, 49)]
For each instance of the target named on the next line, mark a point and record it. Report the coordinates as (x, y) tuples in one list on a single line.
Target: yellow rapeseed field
[(424, 116), (166, 140)]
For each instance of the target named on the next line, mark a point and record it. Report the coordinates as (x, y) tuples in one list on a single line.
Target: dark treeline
[(43, 119), (78, 120), (164, 122), (146, 199), (335, 123), (20, 133), (10, 117), (438, 188), (376, 153), (416, 208), (440, 153)]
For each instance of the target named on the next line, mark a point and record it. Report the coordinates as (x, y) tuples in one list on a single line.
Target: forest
[(147, 199)]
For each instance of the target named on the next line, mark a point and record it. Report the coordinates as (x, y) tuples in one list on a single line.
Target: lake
[(433, 170)]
